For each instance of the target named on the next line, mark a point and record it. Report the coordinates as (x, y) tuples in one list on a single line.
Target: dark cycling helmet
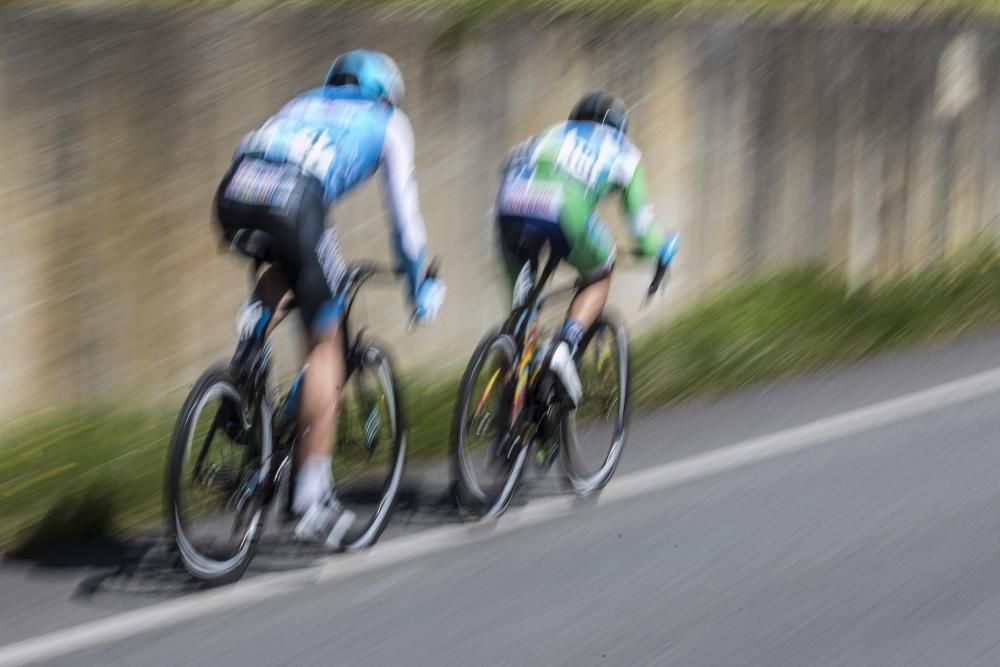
[(375, 74), (603, 108)]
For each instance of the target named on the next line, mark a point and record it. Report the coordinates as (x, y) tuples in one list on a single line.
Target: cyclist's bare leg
[(589, 302), (321, 388), (318, 406)]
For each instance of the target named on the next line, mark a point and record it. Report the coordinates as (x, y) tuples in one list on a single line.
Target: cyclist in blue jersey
[(272, 206)]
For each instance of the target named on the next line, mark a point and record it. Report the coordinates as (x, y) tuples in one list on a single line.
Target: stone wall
[(869, 149)]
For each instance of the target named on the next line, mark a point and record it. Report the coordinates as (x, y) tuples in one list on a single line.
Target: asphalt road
[(850, 518)]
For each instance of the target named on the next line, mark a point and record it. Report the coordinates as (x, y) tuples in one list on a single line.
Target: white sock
[(314, 481)]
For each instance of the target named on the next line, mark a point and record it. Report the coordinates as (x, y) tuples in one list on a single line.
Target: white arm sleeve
[(399, 178), (625, 164)]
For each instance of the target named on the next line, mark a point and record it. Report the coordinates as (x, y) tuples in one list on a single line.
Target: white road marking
[(436, 540)]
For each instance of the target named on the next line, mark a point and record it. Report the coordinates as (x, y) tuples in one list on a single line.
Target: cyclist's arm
[(648, 235), (630, 177), (400, 185)]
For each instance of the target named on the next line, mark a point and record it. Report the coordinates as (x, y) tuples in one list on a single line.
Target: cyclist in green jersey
[(552, 184)]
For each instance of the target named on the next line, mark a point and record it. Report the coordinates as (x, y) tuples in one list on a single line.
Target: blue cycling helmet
[(374, 73), (603, 108)]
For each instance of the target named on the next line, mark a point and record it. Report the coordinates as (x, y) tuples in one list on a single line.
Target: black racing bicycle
[(234, 447), (509, 411)]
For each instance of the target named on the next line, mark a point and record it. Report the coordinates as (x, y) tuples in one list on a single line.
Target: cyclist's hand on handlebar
[(428, 299)]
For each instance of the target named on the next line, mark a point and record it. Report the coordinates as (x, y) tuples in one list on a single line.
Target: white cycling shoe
[(564, 368), (326, 522)]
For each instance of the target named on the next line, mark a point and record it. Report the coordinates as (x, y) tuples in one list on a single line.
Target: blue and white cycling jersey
[(341, 138)]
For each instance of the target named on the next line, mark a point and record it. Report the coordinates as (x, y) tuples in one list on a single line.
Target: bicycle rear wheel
[(370, 451), (216, 468), (593, 435), (486, 464)]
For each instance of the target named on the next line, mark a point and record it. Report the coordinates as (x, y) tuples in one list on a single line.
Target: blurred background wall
[(870, 149)]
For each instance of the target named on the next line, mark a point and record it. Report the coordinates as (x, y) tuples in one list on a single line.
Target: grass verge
[(803, 319), (68, 476)]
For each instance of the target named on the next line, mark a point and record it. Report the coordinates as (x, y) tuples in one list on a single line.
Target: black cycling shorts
[(524, 240), (274, 213)]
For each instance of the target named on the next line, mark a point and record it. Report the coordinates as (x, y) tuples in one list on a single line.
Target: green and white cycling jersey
[(562, 174)]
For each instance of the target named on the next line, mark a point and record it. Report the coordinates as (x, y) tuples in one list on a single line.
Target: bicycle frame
[(522, 325), (522, 372), (524, 367)]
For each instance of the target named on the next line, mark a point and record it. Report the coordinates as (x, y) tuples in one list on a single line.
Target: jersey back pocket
[(260, 183)]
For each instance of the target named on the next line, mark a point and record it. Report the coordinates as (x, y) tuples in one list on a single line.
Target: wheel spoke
[(486, 392), (206, 444)]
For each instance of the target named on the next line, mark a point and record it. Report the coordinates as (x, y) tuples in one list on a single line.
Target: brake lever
[(654, 286), (433, 269)]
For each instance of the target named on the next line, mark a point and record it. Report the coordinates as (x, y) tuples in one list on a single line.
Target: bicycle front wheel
[(486, 463), (371, 447), (215, 472), (593, 435)]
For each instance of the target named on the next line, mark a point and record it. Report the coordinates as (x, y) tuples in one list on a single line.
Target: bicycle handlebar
[(358, 274), (660, 273)]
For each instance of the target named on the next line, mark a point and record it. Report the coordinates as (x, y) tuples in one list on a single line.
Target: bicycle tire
[(583, 479), (216, 381), (473, 501), (371, 364)]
